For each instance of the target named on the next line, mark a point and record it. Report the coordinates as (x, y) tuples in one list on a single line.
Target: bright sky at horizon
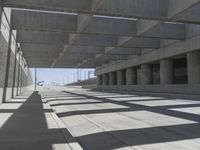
[(61, 76)]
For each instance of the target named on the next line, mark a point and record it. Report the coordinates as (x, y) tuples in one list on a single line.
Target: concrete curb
[(159, 94), (71, 141)]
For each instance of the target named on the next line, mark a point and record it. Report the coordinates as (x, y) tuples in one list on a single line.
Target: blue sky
[(60, 75)]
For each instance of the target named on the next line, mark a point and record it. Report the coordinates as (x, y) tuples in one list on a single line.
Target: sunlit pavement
[(28, 123), (103, 121), (98, 121)]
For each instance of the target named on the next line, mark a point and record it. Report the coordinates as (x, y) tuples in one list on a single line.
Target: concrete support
[(21, 78), (193, 63), (99, 80), (22, 81), (105, 79), (131, 76), (19, 74), (6, 81), (121, 77), (112, 78), (138, 75), (146, 74), (2, 59), (166, 71), (14, 73)]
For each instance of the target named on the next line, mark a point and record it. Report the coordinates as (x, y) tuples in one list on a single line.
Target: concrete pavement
[(104, 121), (28, 123), (93, 120)]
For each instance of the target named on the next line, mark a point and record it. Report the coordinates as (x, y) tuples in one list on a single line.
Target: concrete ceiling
[(90, 33)]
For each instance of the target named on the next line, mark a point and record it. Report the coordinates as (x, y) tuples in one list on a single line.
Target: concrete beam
[(39, 37), (110, 57), (93, 25), (176, 7), (113, 26), (82, 22), (190, 15), (143, 9), (85, 49), (95, 40), (53, 5), (172, 50), (139, 42), (32, 20), (156, 9), (161, 30), (41, 48), (123, 51)]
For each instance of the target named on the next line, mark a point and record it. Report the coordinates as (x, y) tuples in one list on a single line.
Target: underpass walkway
[(104, 121)]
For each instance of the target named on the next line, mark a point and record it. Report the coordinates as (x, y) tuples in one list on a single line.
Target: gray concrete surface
[(105, 121), (14, 74), (125, 27), (28, 123)]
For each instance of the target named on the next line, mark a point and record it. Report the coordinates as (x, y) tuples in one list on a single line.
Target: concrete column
[(121, 77), (99, 80), (14, 73), (146, 74), (18, 80), (166, 71), (131, 76), (112, 78), (21, 78), (2, 65), (138, 70), (105, 79), (6, 81), (193, 64)]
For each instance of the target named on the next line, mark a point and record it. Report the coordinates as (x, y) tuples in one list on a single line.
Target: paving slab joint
[(71, 141)]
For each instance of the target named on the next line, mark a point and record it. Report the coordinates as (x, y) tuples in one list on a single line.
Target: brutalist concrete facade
[(136, 45)]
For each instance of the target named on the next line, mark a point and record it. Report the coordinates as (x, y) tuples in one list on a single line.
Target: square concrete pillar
[(166, 71), (121, 77), (131, 76), (7, 91), (105, 79), (19, 74), (193, 64), (112, 78), (14, 72), (146, 74), (138, 75), (99, 80), (21, 78)]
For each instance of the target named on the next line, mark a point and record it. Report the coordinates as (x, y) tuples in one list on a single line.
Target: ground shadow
[(27, 129)]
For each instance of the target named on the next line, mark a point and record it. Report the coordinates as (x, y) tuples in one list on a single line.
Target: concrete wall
[(3, 56), (12, 67), (4, 40)]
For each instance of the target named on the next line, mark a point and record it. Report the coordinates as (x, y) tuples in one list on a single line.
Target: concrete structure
[(14, 74), (131, 76), (159, 39), (137, 46)]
